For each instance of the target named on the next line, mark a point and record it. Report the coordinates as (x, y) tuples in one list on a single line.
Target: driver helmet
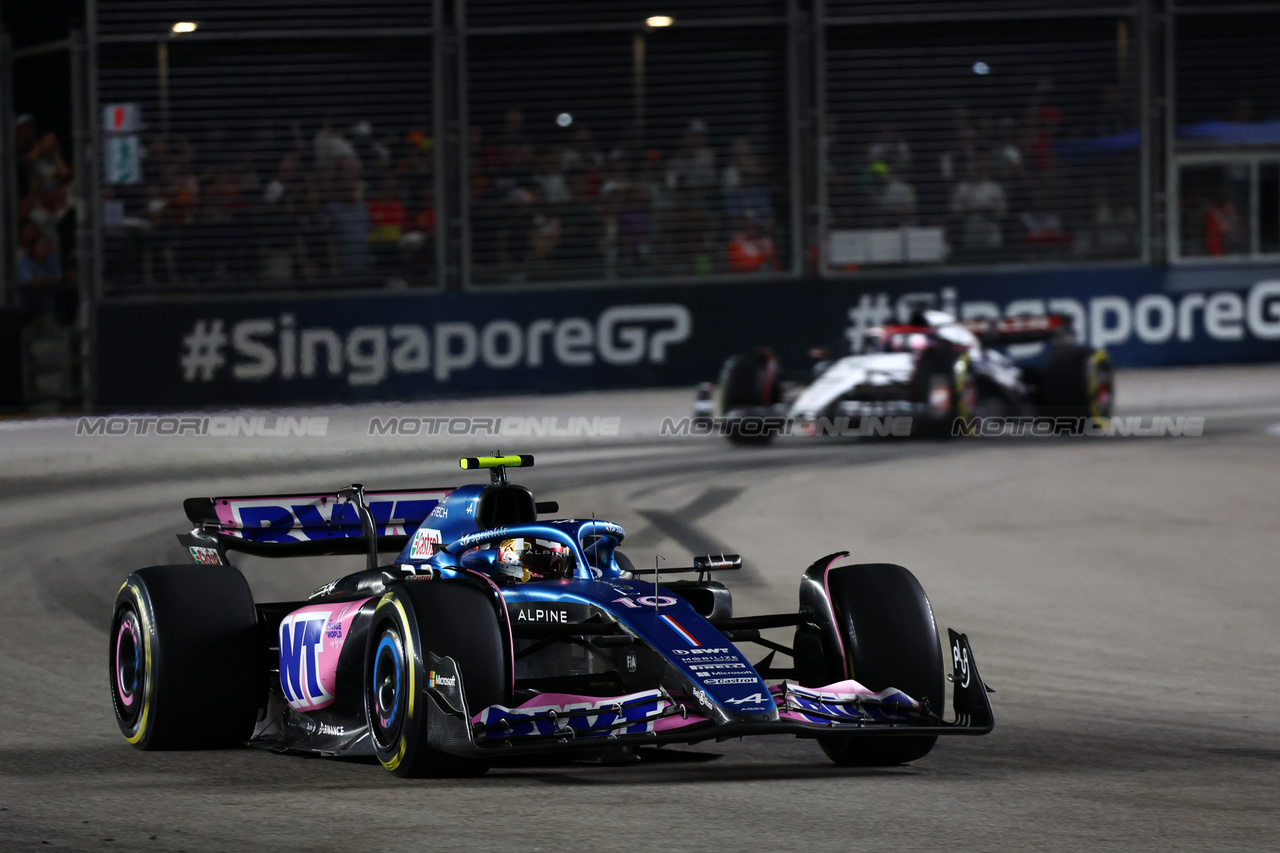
[(523, 560)]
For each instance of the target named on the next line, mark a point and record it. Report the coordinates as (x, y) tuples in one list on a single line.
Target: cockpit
[(525, 553)]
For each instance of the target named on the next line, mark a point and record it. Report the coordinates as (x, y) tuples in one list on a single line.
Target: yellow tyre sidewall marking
[(410, 665), (1098, 358), (962, 381), (148, 689)]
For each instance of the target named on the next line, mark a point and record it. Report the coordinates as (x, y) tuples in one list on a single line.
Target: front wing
[(553, 722)]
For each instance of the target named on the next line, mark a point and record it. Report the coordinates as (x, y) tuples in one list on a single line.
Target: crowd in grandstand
[(45, 232), (344, 203), (46, 210), (575, 209), (994, 183), (338, 206)]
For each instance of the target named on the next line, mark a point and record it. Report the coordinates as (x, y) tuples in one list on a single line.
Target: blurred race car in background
[(493, 634), (925, 375)]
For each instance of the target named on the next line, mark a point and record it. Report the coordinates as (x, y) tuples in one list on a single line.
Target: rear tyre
[(1078, 382), (449, 619), (889, 638), (748, 380), (186, 659), (944, 383)]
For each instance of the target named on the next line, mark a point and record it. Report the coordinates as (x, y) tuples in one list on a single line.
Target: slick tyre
[(748, 380), (447, 618), (945, 385), (890, 639), (1078, 382), (186, 658)]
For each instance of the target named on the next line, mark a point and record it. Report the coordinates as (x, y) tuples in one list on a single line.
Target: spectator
[(552, 185), (315, 254), (369, 152), (1225, 232), (1045, 120), (45, 207), (387, 215), (749, 249), (332, 148), (962, 149), (481, 157), (276, 217), (583, 155), (513, 194), (978, 204), (348, 220), (891, 148), (1043, 232), (388, 221), (44, 161), (544, 238), (744, 184), (580, 244), (414, 170), (635, 229), (24, 133), (693, 168), (894, 200), (41, 265), (1115, 225)]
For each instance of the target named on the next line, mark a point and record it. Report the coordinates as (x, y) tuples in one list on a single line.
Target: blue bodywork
[(720, 678)]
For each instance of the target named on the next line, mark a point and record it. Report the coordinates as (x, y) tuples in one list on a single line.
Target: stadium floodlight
[(185, 27), (660, 21)]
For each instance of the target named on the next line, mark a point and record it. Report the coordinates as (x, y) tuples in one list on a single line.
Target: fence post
[(8, 176)]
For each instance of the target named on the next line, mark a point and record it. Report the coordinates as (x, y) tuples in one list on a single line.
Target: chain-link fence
[(978, 140), (305, 147)]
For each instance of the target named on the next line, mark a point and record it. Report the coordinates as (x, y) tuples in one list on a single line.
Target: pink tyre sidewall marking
[(127, 625)]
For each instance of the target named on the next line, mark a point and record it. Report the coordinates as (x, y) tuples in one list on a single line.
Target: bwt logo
[(275, 348), (300, 644), (269, 521)]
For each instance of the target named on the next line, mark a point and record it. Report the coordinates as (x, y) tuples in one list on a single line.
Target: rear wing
[(349, 521), (1026, 329)]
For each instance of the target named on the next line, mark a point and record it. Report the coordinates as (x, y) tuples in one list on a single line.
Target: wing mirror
[(717, 563)]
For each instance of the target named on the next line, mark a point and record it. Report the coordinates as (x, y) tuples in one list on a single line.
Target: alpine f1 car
[(494, 633), (920, 378)]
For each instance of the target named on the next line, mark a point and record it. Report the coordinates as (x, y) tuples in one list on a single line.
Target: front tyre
[(447, 618), (185, 658), (748, 380), (879, 631)]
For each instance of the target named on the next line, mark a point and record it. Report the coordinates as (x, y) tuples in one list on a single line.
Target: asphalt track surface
[(1122, 595)]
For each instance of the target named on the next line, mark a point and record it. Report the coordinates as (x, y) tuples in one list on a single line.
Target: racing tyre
[(1078, 382), (884, 622), (449, 619), (945, 384), (748, 380), (186, 658)]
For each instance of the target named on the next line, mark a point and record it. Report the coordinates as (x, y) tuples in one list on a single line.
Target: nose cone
[(846, 374)]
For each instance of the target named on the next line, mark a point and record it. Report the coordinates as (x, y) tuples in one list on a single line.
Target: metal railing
[(793, 94)]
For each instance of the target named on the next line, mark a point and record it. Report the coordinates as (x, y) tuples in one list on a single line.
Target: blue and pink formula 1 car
[(494, 634)]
